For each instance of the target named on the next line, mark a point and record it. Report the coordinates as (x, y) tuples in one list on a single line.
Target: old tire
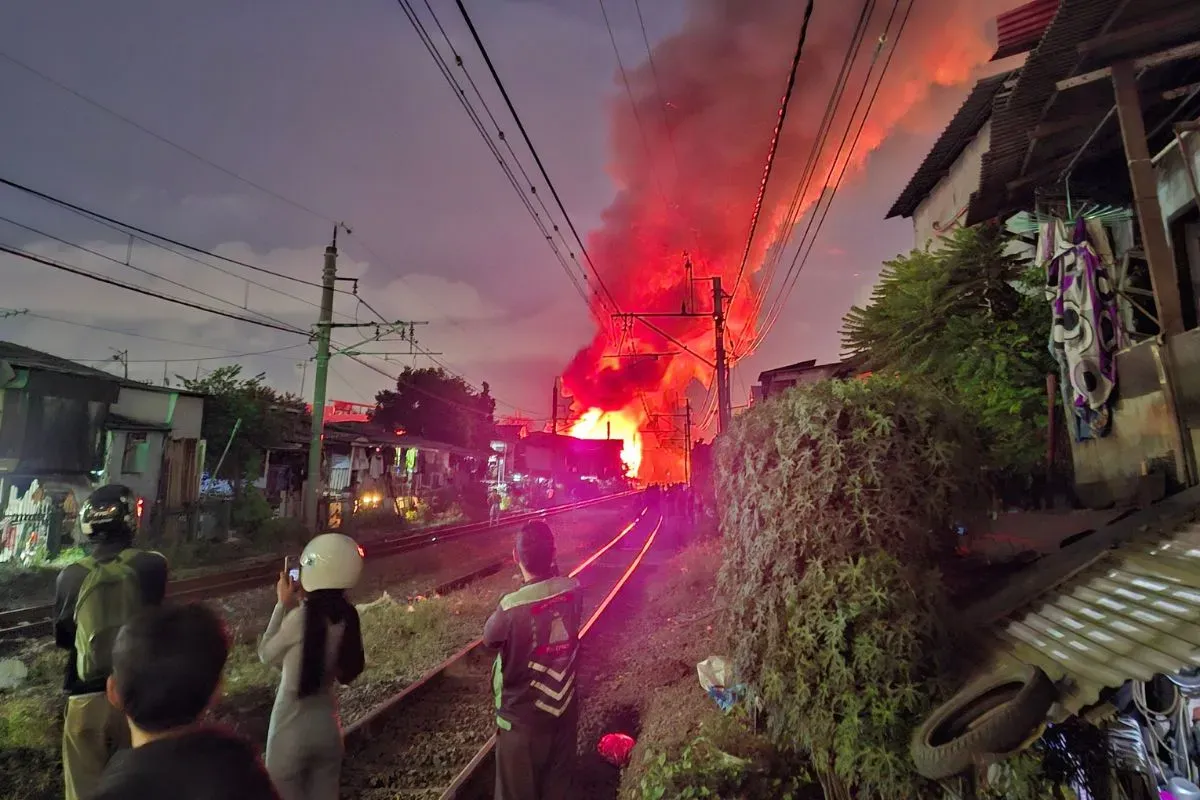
[(993, 714)]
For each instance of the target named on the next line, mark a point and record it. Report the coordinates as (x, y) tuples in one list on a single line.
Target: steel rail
[(460, 787), (373, 726), (37, 621)]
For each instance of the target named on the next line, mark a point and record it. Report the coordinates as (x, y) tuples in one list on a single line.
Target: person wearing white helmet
[(314, 637)]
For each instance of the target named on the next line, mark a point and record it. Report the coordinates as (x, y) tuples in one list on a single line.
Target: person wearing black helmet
[(536, 630), (93, 598)]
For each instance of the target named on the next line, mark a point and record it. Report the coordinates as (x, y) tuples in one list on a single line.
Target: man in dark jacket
[(536, 630), (93, 598), (167, 667)]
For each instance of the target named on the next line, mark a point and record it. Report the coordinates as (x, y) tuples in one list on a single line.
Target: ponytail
[(323, 609)]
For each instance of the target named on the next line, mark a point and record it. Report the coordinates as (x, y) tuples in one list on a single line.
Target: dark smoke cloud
[(689, 161)]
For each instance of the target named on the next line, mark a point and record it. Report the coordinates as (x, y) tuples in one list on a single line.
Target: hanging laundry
[(1084, 334)]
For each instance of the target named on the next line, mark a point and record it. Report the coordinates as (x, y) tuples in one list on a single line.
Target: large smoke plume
[(689, 174)]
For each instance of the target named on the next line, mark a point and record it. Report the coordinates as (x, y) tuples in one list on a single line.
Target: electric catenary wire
[(464, 101), (533, 151), (802, 187), (500, 134), (163, 139), (809, 173), (637, 114), (146, 272), (47, 262), (774, 146), (795, 269)]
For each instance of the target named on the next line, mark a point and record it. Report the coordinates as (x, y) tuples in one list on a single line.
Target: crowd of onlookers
[(141, 675)]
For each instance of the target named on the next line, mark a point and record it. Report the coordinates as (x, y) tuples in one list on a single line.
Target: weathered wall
[(1174, 189), (183, 412), (144, 483), (1108, 470), (953, 191)]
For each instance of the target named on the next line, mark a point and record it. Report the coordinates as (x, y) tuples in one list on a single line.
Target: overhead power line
[(798, 262), (774, 146), (461, 95), (637, 115), (190, 360), (807, 176), (163, 139), (119, 332), (87, 212), (13, 251), (119, 262), (533, 151)]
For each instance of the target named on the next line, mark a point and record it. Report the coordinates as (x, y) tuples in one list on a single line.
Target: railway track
[(434, 739), (36, 621)]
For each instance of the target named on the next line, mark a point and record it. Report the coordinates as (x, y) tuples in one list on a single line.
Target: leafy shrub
[(250, 511), (834, 504), (473, 500), (970, 318), (704, 770)]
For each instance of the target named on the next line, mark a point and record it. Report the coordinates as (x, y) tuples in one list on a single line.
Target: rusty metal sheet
[(1121, 605)]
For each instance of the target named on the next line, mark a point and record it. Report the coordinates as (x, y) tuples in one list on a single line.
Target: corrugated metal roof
[(967, 121), (1035, 98), (1056, 57), (1123, 604), (22, 356), (1019, 30)]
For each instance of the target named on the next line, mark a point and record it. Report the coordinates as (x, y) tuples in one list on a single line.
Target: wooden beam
[(1182, 91), (1183, 51), (1145, 199), (1109, 44), (1047, 129)]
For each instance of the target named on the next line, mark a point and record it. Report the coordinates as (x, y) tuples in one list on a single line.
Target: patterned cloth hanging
[(1084, 333)]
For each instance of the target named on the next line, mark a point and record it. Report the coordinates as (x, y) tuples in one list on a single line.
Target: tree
[(266, 418), (970, 320), (835, 501), (435, 405)]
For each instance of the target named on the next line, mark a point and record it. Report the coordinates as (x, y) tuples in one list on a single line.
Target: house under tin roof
[(965, 126)]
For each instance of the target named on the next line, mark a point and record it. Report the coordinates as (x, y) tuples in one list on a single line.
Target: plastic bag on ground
[(716, 678), (616, 748)]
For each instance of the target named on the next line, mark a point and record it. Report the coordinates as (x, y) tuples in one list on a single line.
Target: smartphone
[(292, 569)]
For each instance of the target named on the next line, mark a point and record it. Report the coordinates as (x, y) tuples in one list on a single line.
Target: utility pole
[(721, 367), (724, 406), (121, 357), (303, 365), (313, 486), (554, 408), (687, 442)]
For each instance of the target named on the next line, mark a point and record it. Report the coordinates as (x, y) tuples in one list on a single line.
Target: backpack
[(108, 598)]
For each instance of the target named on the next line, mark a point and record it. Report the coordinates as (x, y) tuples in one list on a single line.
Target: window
[(137, 452)]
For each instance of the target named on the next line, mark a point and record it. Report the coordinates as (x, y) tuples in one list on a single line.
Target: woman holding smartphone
[(314, 637)]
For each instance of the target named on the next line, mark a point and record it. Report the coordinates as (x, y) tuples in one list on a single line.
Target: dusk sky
[(339, 112)]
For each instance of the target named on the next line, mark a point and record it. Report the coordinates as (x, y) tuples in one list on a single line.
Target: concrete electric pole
[(312, 486), (724, 406), (721, 365)]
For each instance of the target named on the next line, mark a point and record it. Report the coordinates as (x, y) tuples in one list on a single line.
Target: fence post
[(54, 530)]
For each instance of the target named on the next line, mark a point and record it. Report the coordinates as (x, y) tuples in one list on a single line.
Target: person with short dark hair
[(93, 598), (167, 666), (536, 630)]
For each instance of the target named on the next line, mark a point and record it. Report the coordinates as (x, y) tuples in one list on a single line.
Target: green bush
[(835, 501), (473, 500), (704, 770), (250, 511)]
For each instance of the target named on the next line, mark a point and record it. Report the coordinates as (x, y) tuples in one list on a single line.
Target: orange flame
[(688, 159), (623, 425)]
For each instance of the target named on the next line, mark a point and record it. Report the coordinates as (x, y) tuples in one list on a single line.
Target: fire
[(688, 156), (623, 425)]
